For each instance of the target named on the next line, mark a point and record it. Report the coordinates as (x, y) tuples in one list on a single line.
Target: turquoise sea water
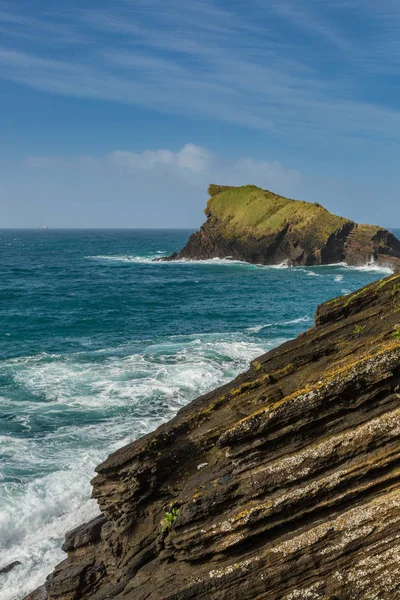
[(99, 345)]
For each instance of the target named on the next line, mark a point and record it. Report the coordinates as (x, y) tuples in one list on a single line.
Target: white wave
[(338, 264), (373, 268), (133, 393), (124, 258), (339, 278), (305, 319), (285, 264), (211, 261), (72, 381), (33, 525), (258, 328), (368, 267), (313, 274)]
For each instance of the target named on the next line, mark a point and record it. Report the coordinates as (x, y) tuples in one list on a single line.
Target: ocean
[(99, 345)]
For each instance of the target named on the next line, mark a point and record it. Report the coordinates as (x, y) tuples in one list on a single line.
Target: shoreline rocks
[(257, 226), (283, 484), (9, 567)]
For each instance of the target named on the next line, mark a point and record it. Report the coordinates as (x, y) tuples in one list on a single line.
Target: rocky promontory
[(281, 485), (257, 226)]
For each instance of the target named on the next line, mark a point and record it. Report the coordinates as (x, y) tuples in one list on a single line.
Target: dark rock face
[(260, 227), (282, 485), (39, 594), (9, 567)]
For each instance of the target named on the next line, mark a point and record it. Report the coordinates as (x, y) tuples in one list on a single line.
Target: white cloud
[(154, 188), (167, 188), (194, 165), (191, 158)]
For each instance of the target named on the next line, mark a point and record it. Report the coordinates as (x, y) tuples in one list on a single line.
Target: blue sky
[(119, 114)]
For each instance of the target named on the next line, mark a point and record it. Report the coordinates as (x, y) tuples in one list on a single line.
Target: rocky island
[(281, 485), (257, 226)]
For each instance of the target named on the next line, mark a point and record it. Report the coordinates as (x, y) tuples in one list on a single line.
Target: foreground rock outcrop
[(257, 226), (282, 485)]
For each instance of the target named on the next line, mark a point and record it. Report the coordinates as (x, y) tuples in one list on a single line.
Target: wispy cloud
[(307, 17), (206, 59)]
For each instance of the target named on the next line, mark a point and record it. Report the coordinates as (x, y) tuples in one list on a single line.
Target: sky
[(119, 114)]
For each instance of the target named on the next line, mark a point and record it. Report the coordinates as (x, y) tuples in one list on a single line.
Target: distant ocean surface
[(99, 345)]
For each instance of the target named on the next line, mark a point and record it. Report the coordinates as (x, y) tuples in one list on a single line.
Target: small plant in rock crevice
[(396, 332), (169, 519), (358, 329)]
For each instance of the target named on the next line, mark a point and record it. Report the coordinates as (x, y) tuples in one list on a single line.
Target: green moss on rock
[(249, 210)]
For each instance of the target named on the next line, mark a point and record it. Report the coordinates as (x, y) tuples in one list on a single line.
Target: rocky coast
[(257, 226), (281, 485)]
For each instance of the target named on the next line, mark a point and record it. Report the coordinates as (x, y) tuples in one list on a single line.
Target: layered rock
[(257, 226), (282, 485)]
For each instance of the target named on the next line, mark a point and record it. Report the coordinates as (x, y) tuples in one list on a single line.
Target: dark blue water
[(99, 345)]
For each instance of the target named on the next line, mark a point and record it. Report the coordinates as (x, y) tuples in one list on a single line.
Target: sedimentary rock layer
[(282, 485), (258, 226)]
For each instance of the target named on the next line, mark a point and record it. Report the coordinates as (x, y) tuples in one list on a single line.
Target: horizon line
[(97, 228), (391, 228)]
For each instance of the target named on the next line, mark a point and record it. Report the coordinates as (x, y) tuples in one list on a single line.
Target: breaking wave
[(88, 405), (126, 258), (373, 268), (316, 272), (258, 328)]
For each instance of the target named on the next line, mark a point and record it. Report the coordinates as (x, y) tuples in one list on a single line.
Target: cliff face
[(260, 227), (282, 485)]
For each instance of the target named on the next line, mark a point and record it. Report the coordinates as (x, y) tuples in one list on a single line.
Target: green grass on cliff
[(249, 210)]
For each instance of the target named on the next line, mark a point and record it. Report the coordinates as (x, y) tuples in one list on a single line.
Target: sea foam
[(135, 393)]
